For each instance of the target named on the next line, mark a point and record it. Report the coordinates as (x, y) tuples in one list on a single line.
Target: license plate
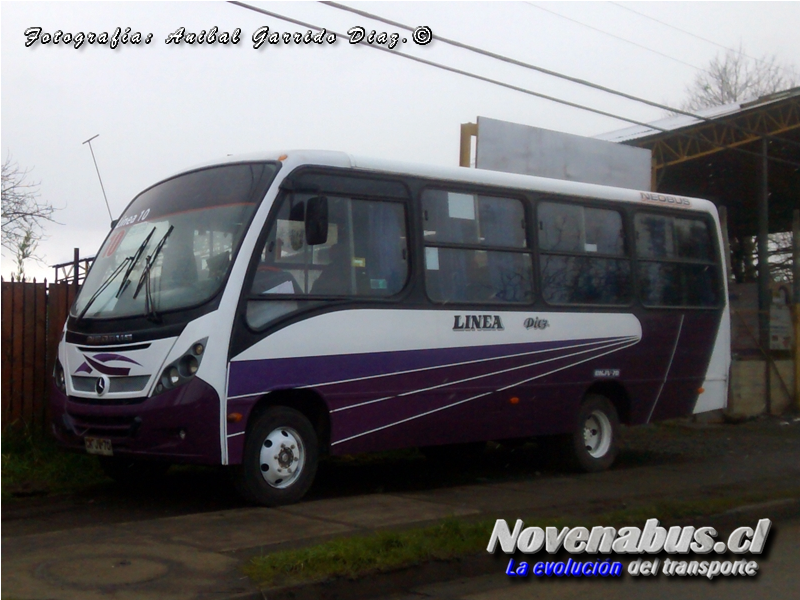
[(98, 446)]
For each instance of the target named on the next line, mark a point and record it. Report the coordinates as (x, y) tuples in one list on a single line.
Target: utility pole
[(796, 302), (89, 141), (764, 294)]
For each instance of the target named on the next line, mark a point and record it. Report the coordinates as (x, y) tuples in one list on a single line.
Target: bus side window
[(582, 255), (370, 258), (476, 248), (380, 247), (676, 265), (363, 253)]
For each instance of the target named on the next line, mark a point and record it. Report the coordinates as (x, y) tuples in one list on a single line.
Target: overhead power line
[(552, 12), (493, 81), (563, 76), (699, 37), (448, 68)]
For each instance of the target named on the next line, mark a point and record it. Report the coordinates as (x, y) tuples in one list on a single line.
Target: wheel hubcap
[(282, 457), (597, 434)]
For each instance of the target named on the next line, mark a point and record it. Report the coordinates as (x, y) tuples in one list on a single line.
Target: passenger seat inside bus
[(179, 268), (273, 280), (335, 278)]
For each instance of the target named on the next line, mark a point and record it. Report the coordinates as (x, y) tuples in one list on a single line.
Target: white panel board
[(514, 148)]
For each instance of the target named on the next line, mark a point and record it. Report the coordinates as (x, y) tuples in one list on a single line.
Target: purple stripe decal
[(106, 370), (84, 368), (620, 346), (249, 378), (104, 358), (367, 393), (462, 364), (491, 373), (669, 366)]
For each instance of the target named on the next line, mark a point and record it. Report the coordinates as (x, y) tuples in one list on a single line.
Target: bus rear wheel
[(280, 458), (595, 440)]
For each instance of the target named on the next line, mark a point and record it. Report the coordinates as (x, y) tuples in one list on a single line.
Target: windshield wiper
[(149, 310), (131, 262), (134, 259), (102, 288)]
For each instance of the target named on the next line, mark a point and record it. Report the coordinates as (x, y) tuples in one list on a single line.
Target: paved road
[(198, 555)]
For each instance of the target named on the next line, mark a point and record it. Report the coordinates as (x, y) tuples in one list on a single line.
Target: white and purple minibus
[(263, 311)]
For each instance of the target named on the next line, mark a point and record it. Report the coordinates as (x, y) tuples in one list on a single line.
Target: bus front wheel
[(595, 440), (280, 458)]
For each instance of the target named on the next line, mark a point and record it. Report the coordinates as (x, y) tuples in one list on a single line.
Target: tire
[(595, 440), (280, 458), (131, 472)]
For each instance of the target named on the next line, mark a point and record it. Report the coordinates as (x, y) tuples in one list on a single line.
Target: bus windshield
[(173, 246)]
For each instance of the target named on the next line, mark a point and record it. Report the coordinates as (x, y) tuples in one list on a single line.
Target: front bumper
[(180, 425)]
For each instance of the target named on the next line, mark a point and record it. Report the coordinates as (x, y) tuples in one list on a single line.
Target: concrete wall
[(744, 320), (747, 390)]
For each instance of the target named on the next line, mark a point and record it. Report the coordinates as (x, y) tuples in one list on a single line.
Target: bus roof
[(296, 158)]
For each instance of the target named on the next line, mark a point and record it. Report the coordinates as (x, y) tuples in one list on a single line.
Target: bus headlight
[(172, 378), (182, 370), (188, 365), (58, 376)]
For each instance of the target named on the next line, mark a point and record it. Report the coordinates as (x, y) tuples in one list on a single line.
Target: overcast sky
[(159, 108)]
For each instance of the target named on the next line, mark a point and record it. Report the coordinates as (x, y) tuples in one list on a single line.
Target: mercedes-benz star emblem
[(100, 386)]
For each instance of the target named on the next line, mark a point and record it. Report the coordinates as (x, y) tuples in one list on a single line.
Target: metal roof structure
[(719, 156), (743, 156)]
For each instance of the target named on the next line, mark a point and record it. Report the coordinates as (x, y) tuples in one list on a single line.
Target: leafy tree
[(25, 251), (23, 213)]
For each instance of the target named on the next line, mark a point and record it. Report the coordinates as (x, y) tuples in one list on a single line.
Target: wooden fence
[(33, 316)]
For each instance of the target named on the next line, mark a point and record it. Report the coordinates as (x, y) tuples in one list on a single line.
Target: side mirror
[(316, 220), (297, 217)]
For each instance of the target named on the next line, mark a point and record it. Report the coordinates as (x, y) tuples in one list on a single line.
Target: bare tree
[(780, 259), (23, 213), (734, 77)]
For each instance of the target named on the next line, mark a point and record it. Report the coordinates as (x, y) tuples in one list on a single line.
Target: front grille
[(83, 384), (106, 400), (134, 383), (104, 426)]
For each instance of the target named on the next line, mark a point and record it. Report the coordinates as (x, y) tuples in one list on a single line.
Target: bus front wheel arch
[(280, 458), (306, 402)]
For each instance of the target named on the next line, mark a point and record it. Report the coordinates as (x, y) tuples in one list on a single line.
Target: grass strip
[(353, 557), (380, 551), (32, 464)]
